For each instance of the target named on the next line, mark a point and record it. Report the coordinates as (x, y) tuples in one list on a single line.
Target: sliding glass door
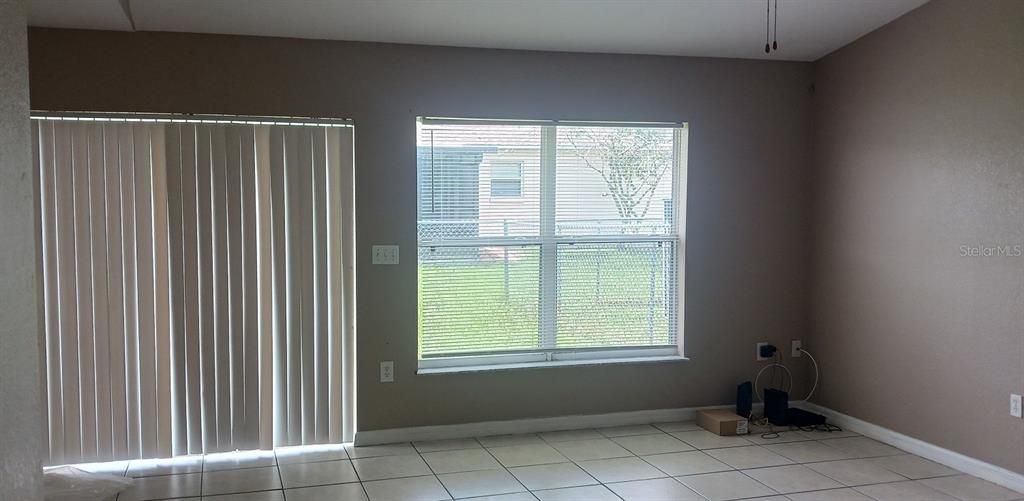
[(198, 281)]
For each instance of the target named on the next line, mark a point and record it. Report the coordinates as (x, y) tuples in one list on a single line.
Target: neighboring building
[(475, 191)]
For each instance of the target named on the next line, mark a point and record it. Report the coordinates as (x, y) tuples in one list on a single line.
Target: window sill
[(554, 363)]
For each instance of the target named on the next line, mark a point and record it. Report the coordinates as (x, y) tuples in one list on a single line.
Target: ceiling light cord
[(767, 23), (775, 35)]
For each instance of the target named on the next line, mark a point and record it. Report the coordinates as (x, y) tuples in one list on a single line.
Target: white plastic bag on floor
[(71, 484)]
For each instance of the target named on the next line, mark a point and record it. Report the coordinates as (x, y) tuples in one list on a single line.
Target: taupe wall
[(20, 425), (920, 150), (747, 229)]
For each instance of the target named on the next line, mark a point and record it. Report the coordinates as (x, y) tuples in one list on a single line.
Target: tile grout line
[(576, 463), (632, 454), (841, 484), (352, 462), (804, 464), (502, 465), (732, 469), (280, 477), (656, 469), (605, 484), (431, 468), (766, 486)]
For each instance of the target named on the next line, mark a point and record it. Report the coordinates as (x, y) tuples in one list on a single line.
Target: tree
[(631, 161)]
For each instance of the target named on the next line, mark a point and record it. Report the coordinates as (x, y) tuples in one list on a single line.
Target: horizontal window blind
[(455, 167), (585, 256), (479, 299), (197, 284)]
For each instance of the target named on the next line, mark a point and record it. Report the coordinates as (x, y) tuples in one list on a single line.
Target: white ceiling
[(808, 29)]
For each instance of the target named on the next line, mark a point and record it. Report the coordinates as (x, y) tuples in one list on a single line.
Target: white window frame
[(548, 242)]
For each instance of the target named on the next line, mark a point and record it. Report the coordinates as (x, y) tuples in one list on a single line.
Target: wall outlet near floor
[(387, 371), (385, 254), (1015, 405), (795, 348)]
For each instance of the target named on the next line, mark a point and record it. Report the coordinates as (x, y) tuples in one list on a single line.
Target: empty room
[(511, 250)]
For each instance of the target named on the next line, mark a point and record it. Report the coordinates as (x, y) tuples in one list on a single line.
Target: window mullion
[(549, 261), (679, 141)]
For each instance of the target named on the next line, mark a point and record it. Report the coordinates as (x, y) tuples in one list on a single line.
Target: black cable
[(775, 370), (767, 23), (776, 361), (825, 428), (775, 36)]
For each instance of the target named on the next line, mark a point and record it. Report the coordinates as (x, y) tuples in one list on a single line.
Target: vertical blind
[(583, 254), (198, 284)]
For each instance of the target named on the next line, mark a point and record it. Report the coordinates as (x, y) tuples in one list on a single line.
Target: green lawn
[(609, 295)]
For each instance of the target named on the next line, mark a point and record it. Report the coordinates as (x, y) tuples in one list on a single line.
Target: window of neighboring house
[(571, 252), (507, 180)]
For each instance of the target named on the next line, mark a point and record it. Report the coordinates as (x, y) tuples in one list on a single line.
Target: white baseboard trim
[(966, 464), (529, 425)]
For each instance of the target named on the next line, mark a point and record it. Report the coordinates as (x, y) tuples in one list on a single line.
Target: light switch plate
[(1015, 405), (385, 254)]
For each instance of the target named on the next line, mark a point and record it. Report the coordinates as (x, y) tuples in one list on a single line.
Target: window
[(506, 179), (568, 246)]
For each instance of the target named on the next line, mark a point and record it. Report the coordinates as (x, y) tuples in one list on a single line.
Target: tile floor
[(668, 461)]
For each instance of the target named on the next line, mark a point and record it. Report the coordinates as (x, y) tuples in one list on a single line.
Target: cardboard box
[(722, 422)]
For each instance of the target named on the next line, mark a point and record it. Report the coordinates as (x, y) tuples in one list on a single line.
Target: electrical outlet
[(1015, 405), (758, 352), (795, 348), (385, 254), (387, 371)]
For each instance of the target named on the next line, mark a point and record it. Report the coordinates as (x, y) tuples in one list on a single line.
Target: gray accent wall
[(746, 242), (919, 158), (21, 427)]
